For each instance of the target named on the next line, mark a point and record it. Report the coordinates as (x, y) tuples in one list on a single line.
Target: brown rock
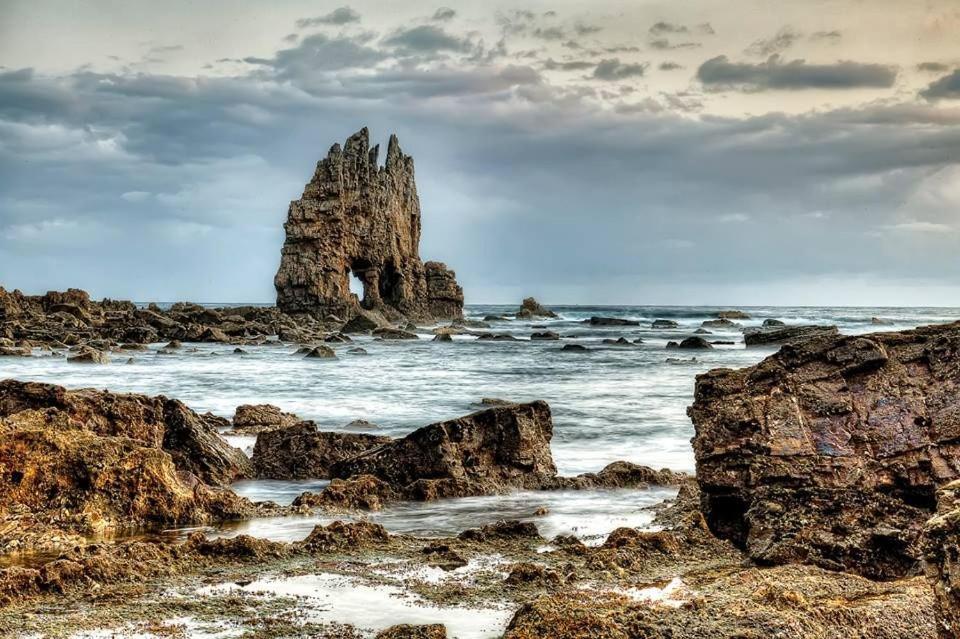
[(341, 535), (784, 334), (941, 558), (482, 453), (154, 422), (255, 418), (532, 308), (830, 451), (320, 352), (302, 452), (406, 631), (358, 217), (87, 355)]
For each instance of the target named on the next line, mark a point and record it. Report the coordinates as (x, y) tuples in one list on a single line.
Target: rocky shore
[(824, 504)]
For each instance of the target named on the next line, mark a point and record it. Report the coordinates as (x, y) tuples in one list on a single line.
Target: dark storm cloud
[(444, 14), (341, 16), (426, 39), (779, 43), (614, 69), (947, 87), (721, 73), (933, 67)]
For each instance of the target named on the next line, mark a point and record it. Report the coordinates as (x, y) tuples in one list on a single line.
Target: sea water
[(609, 403)]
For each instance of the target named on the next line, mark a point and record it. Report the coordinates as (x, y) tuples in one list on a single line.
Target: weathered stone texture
[(831, 450), (361, 218)]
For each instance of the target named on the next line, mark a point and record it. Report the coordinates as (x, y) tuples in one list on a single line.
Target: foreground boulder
[(88, 460), (941, 545), (154, 422), (358, 217), (302, 452), (831, 450), (485, 452)]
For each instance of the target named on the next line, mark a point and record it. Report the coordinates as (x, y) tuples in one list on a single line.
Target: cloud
[(443, 14), (320, 53), (721, 73), (669, 66), (779, 43), (946, 88), (571, 65), (664, 44), (426, 39), (933, 67), (659, 28), (548, 33), (582, 29), (341, 16), (833, 36), (614, 69)]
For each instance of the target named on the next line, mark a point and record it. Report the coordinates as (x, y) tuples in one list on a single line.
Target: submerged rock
[(575, 348), (544, 336), (302, 452), (733, 315), (393, 334), (87, 355), (695, 343), (719, 323), (831, 450), (773, 322), (611, 321), (358, 217), (664, 323), (320, 352)]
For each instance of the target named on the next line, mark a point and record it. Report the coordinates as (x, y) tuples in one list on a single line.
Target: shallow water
[(609, 403)]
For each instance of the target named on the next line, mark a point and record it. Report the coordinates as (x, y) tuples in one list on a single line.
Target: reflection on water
[(326, 598)]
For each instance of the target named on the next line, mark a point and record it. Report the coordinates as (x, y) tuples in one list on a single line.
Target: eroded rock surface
[(302, 452), (831, 450), (482, 453), (357, 217), (778, 334), (941, 546)]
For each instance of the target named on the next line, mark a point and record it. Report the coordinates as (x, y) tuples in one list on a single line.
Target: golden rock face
[(362, 219)]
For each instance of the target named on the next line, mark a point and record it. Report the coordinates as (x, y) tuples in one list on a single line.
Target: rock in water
[(485, 452), (532, 308), (758, 336), (941, 545), (256, 418), (303, 452), (830, 451), (358, 217)]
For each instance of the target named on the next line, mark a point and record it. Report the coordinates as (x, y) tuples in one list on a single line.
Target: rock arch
[(358, 217)]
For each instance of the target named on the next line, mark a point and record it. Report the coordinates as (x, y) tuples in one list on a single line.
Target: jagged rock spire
[(355, 218)]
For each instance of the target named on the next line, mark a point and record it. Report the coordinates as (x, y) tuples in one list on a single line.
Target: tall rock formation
[(357, 217), (831, 451)]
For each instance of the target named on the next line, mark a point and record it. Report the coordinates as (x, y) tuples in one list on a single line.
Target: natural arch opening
[(356, 286)]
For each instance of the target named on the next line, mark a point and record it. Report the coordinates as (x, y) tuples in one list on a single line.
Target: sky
[(736, 152)]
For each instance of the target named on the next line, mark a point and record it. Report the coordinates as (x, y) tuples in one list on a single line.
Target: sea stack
[(357, 217)]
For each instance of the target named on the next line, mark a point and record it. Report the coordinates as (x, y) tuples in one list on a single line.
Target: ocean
[(609, 403)]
